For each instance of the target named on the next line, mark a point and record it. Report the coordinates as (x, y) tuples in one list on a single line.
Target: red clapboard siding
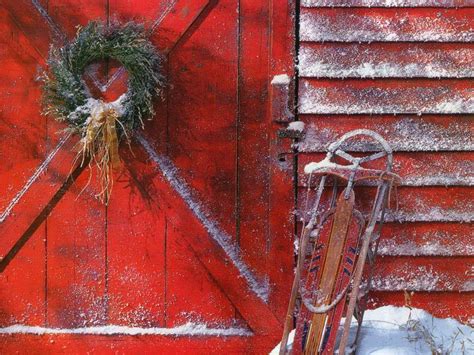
[(382, 60), (423, 274), (407, 133), (402, 69), (387, 3), (386, 97), (436, 238), (387, 25), (421, 204), (444, 304), (418, 168)]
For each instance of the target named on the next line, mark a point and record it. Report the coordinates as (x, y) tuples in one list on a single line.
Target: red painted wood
[(281, 197), (447, 239), (385, 97), (23, 133), (145, 259), (76, 241), (387, 3), (440, 304), (382, 60), (420, 55), (256, 313), (252, 130), (403, 132), (424, 273), (70, 344), (386, 25), (417, 168)]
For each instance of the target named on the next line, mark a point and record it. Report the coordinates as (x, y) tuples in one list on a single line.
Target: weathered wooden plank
[(415, 204), (185, 272), (403, 132), (387, 25), (387, 3), (281, 200), (22, 149), (252, 130), (214, 249), (136, 232), (423, 274), (440, 304), (416, 169), (386, 97), (76, 240), (139, 344), (427, 239), (386, 60)]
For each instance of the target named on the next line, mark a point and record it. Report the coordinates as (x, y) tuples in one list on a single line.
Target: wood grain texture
[(417, 169), (146, 259), (387, 3), (386, 60), (404, 133), (23, 137), (386, 97), (402, 69), (386, 25), (441, 304), (423, 274)]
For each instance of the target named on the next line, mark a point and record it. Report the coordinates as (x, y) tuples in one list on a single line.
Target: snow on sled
[(337, 246)]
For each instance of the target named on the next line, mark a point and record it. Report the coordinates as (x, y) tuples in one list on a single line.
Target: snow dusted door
[(199, 229)]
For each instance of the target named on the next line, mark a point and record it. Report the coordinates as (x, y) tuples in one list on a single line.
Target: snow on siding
[(387, 3), (406, 134), (393, 58), (344, 98), (386, 26), (385, 61)]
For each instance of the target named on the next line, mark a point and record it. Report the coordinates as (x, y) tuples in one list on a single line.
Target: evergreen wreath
[(101, 125)]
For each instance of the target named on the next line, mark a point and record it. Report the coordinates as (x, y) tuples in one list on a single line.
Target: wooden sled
[(337, 246)]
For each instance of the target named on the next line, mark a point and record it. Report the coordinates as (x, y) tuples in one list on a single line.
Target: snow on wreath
[(102, 125)]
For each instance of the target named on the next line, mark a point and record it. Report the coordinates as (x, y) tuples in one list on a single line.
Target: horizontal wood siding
[(404, 69)]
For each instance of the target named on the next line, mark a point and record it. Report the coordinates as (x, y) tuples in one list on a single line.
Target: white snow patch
[(282, 79), (296, 126), (393, 330), (188, 329), (169, 171), (320, 165)]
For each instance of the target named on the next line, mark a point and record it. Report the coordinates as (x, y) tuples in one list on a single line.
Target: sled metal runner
[(337, 247)]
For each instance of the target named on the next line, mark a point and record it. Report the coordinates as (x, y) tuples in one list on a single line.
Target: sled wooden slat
[(417, 169), (387, 25), (387, 3), (386, 97), (386, 60)]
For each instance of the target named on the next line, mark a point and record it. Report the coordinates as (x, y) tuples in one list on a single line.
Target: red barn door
[(191, 254)]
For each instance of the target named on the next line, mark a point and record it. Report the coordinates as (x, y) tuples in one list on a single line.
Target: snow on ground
[(393, 330)]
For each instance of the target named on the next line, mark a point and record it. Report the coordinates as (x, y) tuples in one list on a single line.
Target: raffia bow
[(99, 144)]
